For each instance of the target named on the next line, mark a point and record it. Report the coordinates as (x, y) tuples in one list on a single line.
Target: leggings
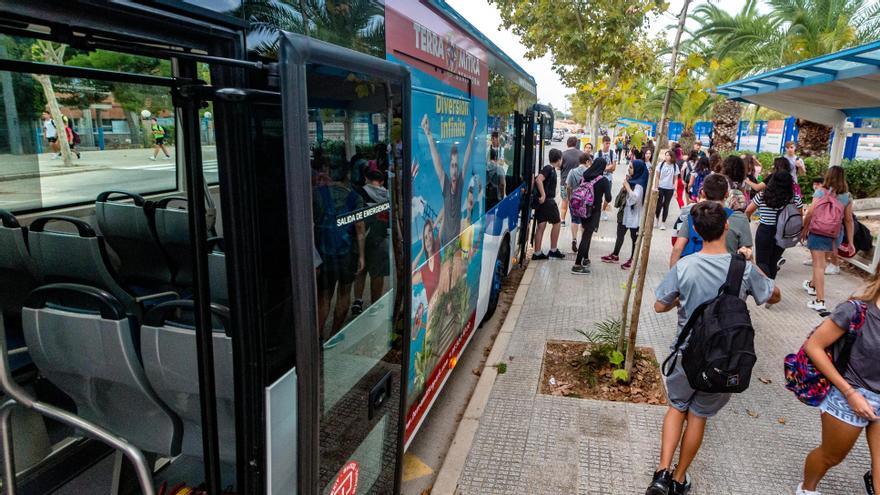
[(679, 192), (588, 225), (621, 232), (767, 252), (663, 201)]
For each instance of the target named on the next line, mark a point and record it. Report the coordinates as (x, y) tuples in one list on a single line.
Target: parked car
[(558, 135)]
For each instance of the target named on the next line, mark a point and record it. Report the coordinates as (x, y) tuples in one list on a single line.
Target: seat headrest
[(8, 219), (82, 228), (137, 199), (77, 297)]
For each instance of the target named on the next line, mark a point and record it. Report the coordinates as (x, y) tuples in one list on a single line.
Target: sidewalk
[(529, 443)]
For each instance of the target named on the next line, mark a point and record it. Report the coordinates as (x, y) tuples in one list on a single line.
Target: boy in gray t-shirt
[(692, 281)]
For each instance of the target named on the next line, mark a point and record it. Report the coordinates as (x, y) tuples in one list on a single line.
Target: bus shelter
[(828, 90)]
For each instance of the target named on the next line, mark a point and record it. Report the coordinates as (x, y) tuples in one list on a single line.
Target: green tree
[(793, 30)]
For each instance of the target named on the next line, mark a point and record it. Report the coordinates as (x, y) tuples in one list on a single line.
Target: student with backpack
[(664, 184), (779, 224), (851, 390), (735, 170), (158, 139), (697, 176), (738, 238), (571, 183), (682, 190), (607, 154), (705, 284), (586, 203), (831, 208), (630, 204)]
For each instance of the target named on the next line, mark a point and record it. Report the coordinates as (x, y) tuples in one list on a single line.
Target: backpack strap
[(735, 274), (855, 326)]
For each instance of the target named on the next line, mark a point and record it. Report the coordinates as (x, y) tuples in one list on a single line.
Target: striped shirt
[(767, 214)]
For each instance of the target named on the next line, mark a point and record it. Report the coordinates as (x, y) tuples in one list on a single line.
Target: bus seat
[(18, 274), (83, 341), (168, 344), (75, 257), (125, 227), (172, 230), (217, 272)]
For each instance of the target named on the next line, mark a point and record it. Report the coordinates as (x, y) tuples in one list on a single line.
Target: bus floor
[(426, 453)]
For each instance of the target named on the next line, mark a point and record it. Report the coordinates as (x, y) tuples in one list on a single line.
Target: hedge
[(862, 176)]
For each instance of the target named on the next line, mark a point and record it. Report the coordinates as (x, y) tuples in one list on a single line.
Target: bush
[(861, 176), (766, 158), (816, 167)]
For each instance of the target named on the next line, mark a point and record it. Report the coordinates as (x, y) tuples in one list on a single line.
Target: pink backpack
[(827, 216), (583, 197)]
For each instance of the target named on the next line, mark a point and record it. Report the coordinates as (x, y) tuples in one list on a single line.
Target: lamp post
[(208, 134)]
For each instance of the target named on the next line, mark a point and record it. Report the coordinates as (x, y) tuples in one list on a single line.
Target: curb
[(54, 173), (446, 482)]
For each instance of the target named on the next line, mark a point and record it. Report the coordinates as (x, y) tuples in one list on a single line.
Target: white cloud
[(418, 206)]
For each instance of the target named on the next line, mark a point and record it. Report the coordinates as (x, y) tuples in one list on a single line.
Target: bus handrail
[(22, 399)]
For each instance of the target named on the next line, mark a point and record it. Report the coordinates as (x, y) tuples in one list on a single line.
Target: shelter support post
[(837, 143)]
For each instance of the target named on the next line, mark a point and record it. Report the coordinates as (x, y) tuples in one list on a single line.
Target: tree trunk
[(134, 129), (813, 139), (57, 117), (595, 119), (687, 139), (725, 125), (10, 108)]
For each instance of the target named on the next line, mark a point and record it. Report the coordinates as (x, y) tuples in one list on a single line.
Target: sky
[(487, 19)]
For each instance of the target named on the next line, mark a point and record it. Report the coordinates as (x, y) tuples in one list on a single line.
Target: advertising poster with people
[(449, 151)]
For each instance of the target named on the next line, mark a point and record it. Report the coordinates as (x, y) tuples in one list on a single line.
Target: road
[(34, 182)]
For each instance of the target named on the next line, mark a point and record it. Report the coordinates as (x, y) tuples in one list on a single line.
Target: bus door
[(347, 119), (538, 126)]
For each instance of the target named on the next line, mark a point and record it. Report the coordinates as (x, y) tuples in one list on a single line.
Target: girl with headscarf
[(632, 205), (590, 224)]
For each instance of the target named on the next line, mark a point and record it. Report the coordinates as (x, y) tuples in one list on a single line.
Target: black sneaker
[(869, 484), (556, 254), (662, 483), (574, 247), (585, 262), (539, 256), (681, 488), (580, 270)]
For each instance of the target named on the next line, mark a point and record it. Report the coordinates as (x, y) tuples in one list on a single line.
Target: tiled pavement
[(528, 443)]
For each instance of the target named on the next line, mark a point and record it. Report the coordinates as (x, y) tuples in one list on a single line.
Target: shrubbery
[(862, 176)]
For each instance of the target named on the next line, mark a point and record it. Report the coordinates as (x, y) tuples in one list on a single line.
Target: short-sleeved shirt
[(549, 174), (609, 157), (571, 159), (768, 215), (451, 209), (574, 177), (843, 198), (51, 131), (668, 172), (864, 366), (792, 166), (632, 212), (696, 279), (739, 235)]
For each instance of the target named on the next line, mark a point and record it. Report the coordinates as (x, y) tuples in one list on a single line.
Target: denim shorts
[(576, 220), (836, 405), (817, 242)]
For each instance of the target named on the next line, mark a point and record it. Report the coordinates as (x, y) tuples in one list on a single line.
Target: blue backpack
[(698, 184), (332, 239), (695, 242)]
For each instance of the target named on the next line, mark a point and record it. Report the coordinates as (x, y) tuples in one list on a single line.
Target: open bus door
[(537, 126)]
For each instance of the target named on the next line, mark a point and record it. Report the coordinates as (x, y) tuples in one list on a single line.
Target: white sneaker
[(604, 217), (817, 305), (801, 491), (167, 157), (809, 288), (153, 158), (808, 262), (55, 157), (662, 226), (832, 270)]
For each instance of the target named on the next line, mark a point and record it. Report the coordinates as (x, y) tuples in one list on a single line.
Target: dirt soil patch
[(566, 372)]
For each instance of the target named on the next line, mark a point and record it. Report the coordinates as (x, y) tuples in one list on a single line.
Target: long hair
[(734, 169), (702, 166), (835, 180), (781, 164), (779, 190), (715, 162), (870, 292)]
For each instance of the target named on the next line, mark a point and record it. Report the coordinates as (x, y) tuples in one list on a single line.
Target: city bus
[(244, 245)]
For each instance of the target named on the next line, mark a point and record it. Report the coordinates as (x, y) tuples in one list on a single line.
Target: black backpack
[(721, 352)]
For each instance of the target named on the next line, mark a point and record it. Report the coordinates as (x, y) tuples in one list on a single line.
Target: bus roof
[(491, 47)]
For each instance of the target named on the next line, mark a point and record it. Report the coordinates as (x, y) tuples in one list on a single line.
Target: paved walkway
[(529, 443)]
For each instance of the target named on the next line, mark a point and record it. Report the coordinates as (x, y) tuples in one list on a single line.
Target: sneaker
[(539, 256), (627, 265), (801, 491), (556, 254), (563, 223), (661, 484), (681, 488), (574, 246), (832, 270), (604, 217), (817, 305), (585, 262), (780, 263), (153, 158), (611, 258), (357, 307), (55, 157), (869, 484), (580, 270), (808, 262), (662, 226), (809, 288), (167, 157)]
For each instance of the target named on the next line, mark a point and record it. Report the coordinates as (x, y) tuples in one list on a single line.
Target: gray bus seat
[(79, 257), (83, 341), (172, 231), (217, 272), (126, 228), (18, 277), (168, 346)]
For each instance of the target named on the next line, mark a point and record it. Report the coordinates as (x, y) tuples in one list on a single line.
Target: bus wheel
[(497, 277)]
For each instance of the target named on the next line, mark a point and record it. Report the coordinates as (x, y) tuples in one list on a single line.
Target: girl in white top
[(665, 185), (634, 186)]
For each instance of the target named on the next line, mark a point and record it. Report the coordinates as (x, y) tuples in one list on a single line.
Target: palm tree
[(355, 24), (793, 30)]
